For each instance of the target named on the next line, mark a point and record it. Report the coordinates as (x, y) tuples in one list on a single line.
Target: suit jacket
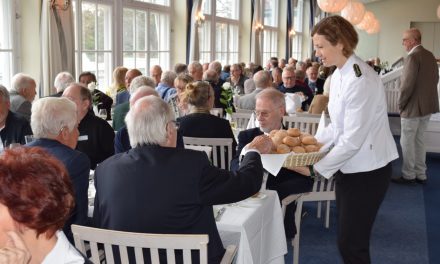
[(16, 127), (418, 88), (319, 85), (286, 182), (96, 139), (104, 102), (78, 167), (20, 105), (153, 189), (119, 114), (248, 101), (206, 126)]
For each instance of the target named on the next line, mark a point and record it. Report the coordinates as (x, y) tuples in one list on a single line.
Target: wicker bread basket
[(303, 159)]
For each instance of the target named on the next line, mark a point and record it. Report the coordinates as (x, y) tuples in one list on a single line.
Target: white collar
[(63, 252)]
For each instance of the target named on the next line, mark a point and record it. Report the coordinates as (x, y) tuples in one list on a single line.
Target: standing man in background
[(418, 100)]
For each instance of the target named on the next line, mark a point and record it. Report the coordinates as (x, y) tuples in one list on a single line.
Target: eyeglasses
[(289, 77), (263, 114)]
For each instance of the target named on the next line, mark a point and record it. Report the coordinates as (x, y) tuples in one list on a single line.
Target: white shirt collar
[(63, 252), (412, 50)]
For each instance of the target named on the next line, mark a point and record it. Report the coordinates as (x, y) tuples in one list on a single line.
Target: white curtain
[(57, 43), (256, 34), (194, 50)]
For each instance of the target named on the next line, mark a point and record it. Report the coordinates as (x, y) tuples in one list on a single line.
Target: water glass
[(102, 113)]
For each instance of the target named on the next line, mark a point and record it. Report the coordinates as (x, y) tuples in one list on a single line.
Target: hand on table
[(15, 251)]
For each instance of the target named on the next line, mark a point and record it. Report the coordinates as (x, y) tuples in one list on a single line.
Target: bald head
[(156, 73), (130, 75), (411, 38), (262, 79)]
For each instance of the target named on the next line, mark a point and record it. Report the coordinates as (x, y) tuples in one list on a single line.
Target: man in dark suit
[(417, 101), (289, 86), (13, 127), (102, 100), (55, 124), (96, 135), (157, 188), (312, 80), (270, 109)]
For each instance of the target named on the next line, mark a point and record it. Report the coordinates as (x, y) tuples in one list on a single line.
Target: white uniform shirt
[(63, 252), (359, 129)]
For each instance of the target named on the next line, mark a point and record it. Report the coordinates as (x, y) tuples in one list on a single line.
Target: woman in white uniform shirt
[(363, 144), (36, 198)]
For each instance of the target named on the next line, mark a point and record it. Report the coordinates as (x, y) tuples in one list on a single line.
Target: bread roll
[(293, 132), (292, 141), (282, 149), (304, 135), (309, 140), (311, 148), (281, 133), (277, 139), (272, 133), (298, 149)]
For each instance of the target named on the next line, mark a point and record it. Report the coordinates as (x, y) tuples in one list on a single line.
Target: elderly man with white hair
[(13, 127), (166, 86), (121, 110), (55, 125), (62, 81), (195, 69), (22, 93), (163, 189)]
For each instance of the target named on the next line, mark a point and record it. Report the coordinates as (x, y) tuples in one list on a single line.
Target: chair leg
[(295, 243), (327, 215), (318, 214)]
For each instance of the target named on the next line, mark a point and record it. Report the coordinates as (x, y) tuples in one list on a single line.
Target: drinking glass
[(102, 113)]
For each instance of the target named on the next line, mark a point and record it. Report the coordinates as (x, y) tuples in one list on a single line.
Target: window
[(223, 44), (93, 42), (6, 42), (298, 12), (110, 33), (145, 39), (270, 32)]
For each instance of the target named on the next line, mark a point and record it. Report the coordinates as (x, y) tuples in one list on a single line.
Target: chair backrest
[(240, 110), (305, 124), (241, 119), (217, 112), (138, 241), (221, 149)]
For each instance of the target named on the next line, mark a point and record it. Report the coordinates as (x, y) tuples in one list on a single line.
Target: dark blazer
[(122, 140), (104, 102), (96, 139), (119, 114), (206, 126), (78, 167), (319, 85), (16, 127), (286, 182), (418, 88), (153, 189)]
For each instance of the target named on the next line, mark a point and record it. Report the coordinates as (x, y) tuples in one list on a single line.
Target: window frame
[(14, 33), (298, 26), (271, 29)]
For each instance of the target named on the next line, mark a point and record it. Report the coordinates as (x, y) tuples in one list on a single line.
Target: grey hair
[(4, 94), (273, 95), (62, 81), (141, 81), (216, 66), (196, 65), (51, 114), (262, 79), (21, 82), (249, 86), (168, 78), (147, 121)]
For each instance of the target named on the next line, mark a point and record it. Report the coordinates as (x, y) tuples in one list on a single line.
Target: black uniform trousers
[(358, 198)]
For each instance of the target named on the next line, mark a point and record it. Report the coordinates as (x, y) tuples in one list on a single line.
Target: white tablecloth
[(259, 225)]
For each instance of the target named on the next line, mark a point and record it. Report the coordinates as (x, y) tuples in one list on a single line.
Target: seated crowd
[(150, 115)]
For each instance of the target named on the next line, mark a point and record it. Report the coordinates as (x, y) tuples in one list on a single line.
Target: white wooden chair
[(241, 119), (170, 242), (221, 149), (323, 190), (305, 124), (217, 112), (240, 110)]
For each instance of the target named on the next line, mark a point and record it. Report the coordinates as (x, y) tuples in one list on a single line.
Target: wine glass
[(102, 113)]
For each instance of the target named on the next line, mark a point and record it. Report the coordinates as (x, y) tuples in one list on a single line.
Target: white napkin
[(253, 122), (271, 162)]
